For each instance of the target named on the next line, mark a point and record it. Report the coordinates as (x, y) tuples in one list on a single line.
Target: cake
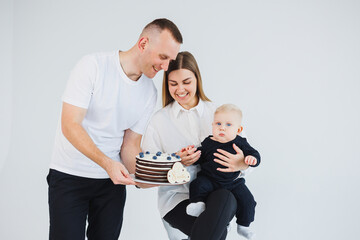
[(161, 167)]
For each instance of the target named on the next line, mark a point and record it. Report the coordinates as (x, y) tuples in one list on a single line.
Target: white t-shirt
[(114, 104)]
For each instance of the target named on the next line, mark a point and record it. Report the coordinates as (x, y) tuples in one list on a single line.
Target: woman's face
[(182, 87)]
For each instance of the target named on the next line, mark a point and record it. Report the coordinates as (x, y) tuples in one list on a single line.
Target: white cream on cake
[(159, 157)]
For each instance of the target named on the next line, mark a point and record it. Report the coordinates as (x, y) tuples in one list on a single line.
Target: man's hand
[(119, 174), (189, 155), (232, 162), (250, 160), (146, 185)]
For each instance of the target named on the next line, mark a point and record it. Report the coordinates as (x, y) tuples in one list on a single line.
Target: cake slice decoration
[(178, 174)]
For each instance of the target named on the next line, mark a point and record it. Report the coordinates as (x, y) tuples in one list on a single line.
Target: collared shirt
[(170, 129), (189, 122)]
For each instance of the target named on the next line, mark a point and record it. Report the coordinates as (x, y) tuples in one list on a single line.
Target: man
[(106, 105)]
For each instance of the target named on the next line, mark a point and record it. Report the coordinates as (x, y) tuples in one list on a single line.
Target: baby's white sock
[(195, 209), (228, 227), (245, 232)]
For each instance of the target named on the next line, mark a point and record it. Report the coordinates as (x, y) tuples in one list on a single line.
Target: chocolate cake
[(160, 167)]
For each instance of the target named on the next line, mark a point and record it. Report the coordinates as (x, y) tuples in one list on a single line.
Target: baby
[(225, 130)]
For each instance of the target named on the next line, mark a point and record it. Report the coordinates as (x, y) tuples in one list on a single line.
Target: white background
[(292, 66)]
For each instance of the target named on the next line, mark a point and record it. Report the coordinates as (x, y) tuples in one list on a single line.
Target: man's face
[(160, 50), (226, 126)]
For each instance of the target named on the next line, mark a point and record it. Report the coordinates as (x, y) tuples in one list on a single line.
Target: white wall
[(6, 28), (292, 66)]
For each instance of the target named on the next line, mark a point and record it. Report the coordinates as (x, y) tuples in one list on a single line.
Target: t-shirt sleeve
[(80, 85), (140, 125)]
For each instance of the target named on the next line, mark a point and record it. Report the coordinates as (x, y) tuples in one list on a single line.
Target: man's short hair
[(165, 24)]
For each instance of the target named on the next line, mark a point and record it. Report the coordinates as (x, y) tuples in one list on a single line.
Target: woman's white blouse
[(170, 129)]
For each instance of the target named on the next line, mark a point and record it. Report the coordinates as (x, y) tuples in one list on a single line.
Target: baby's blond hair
[(230, 108)]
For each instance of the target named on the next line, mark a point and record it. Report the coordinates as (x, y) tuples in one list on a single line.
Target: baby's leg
[(245, 210), (199, 190)]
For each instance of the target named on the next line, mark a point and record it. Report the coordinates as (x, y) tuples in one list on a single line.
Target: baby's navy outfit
[(209, 179)]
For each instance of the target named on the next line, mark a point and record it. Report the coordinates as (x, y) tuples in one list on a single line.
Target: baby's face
[(226, 126)]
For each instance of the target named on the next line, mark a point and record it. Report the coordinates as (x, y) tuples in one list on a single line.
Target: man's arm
[(129, 149), (71, 119)]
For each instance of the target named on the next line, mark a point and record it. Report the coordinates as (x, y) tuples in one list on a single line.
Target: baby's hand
[(188, 149), (189, 155), (250, 160)]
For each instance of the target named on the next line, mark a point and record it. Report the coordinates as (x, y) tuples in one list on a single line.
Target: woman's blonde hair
[(184, 60)]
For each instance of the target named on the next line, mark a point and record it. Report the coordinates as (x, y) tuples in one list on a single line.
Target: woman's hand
[(232, 162), (189, 155)]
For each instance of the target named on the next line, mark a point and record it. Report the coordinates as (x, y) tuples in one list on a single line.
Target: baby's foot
[(245, 232), (228, 227), (195, 209)]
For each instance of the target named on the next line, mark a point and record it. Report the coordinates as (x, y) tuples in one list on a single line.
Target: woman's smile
[(182, 95), (182, 88)]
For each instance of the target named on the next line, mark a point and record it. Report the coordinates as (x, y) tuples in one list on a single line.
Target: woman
[(184, 120)]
